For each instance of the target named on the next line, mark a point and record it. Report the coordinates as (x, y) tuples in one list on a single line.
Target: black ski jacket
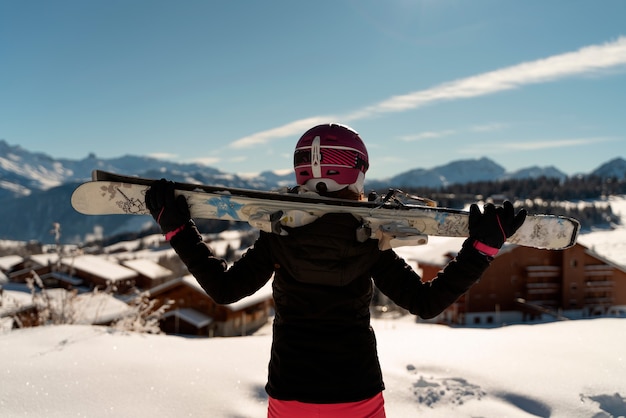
[(323, 348)]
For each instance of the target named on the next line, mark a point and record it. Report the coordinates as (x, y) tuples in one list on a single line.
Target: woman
[(324, 359)]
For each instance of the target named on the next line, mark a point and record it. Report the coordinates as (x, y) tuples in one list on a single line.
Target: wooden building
[(150, 273), (526, 284), (89, 271), (193, 312)]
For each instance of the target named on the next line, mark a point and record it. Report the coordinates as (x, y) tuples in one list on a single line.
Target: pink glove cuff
[(485, 249), (171, 234)]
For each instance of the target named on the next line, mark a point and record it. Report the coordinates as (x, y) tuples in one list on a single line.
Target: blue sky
[(234, 84)]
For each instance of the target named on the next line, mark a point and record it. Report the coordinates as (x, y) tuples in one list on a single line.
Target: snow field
[(572, 369)]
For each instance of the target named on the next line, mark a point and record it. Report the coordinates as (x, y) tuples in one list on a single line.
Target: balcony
[(599, 285), (542, 288)]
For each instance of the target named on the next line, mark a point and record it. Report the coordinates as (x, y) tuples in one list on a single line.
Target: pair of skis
[(404, 222)]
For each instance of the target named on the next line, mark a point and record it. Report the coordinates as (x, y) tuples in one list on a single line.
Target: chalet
[(98, 309), (67, 272), (9, 262), (17, 310), (150, 273), (193, 312), (47, 267), (20, 309), (526, 284), (101, 273)]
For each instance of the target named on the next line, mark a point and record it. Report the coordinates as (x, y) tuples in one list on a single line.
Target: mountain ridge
[(35, 188), (22, 172)]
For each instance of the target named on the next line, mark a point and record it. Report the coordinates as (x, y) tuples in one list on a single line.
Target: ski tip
[(548, 232), (78, 201)]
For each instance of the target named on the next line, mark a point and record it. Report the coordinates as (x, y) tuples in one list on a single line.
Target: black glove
[(496, 224), (170, 211)]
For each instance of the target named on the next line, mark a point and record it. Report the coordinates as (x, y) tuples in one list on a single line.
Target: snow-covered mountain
[(35, 188), (536, 172), (614, 168), (23, 172), (462, 171)]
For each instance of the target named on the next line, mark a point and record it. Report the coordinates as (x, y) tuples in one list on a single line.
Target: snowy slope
[(610, 244), (569, 369)]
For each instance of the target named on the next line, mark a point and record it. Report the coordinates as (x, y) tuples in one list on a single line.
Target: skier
[(324, 360)]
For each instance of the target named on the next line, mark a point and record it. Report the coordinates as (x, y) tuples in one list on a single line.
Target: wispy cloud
[(427, 135), (488, 127), (484, 128), (298, 126), (555, 143), (592, 59), (588, 60), (501, 146)]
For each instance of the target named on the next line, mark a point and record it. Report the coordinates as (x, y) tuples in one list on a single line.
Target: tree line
[(539, 195)]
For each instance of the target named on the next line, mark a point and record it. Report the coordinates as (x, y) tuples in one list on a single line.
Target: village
[(142, 285), (143, 280)]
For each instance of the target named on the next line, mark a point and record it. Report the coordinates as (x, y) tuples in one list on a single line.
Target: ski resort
[(346, 209), (524, 285)]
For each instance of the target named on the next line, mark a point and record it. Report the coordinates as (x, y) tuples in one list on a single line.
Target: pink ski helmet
[(331, 157)]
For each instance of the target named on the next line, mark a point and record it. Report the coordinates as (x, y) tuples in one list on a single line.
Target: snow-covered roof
[(98, 308), (132, 245), (191, 281), (259, 296), (9, 261), (11, 300), (101, 267), (86, 308), (45, 259), (148, 268)]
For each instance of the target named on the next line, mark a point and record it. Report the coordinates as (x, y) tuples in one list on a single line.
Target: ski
[(404, 220)]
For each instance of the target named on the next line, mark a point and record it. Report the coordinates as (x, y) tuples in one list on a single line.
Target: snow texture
[(572, 369)]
